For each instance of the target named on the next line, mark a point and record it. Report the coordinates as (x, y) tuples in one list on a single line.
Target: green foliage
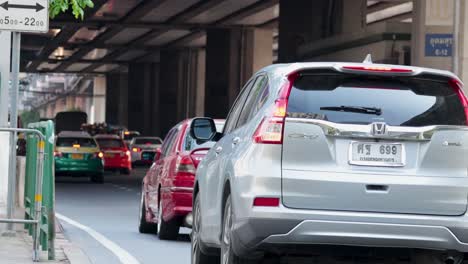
[(77, 6)]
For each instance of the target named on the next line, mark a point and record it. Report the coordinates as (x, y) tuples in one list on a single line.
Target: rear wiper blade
[(354, 109)]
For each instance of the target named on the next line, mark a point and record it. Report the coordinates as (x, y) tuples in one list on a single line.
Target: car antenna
[(368, 59)]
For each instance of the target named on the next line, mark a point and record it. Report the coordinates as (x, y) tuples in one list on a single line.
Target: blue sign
[(439, 45)]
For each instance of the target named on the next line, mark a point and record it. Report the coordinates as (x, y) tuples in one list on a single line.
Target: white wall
[(5, 38)]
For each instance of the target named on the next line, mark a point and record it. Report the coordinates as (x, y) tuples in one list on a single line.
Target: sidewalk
[(18, 250)]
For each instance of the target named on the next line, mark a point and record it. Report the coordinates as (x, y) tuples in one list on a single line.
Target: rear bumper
[(177, 202), (266, 229), (65, 166), (117, 163)]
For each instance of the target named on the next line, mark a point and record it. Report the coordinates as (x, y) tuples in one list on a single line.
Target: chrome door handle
[(236, 140), (218, 150)]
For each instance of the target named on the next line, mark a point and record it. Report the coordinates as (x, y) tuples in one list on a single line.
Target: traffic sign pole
[(15, 62)]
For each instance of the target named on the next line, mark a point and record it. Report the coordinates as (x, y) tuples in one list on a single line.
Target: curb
[(73, 253)]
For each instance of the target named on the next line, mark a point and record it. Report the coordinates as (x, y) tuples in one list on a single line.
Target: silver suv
[(361, 155)]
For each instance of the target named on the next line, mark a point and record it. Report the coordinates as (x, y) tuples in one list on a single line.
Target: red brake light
[(377, 69), (458, 87), (185, 166), (270, 130), (266, 202), (136, 149)]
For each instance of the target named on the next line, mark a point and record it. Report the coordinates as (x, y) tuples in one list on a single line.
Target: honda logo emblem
[(379, 129)]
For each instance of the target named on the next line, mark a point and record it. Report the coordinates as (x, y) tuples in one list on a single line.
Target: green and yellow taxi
[(77, 154)]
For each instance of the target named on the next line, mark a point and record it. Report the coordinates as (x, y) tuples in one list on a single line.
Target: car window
[(259, 92), (233, 116), (110, 143), (148, 141), (168, 142), (356, 99), (70, 142)]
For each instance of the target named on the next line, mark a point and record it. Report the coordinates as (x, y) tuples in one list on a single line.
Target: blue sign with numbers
[(439, 45)]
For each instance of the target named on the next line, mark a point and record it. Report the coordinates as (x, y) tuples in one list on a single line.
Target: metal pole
[(15, 61), (38, 201), (456, 37)]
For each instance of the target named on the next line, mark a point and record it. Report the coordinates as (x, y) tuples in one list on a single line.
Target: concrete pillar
[(99, 99), (177, 87), (200, 83), (143, 98), (117, 99), (304, 21), (70, 102), (257, 51), (300, 22), (223, 70), (432, 23)]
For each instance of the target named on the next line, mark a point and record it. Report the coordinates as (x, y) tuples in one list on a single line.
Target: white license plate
[(377, 154)]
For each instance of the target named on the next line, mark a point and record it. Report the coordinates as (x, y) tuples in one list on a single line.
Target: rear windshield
[(397, 101), (148, 141), (110, 143), (70, 142)]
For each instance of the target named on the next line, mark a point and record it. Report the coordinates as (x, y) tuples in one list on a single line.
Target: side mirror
[(158, 154), (203, 129)]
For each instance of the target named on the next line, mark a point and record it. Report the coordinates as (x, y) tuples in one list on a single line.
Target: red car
[(166, 200), (117, 157)]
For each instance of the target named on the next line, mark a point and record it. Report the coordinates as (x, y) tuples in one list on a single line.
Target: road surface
[(111, 209)]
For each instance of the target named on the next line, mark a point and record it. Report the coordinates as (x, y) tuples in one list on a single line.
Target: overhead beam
[(65, 34), (246, 12)]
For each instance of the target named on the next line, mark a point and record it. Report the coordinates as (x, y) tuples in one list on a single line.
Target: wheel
[(197, 256), (167, 230), (227, 254), (125, 171), (144, 227), (98, 178)]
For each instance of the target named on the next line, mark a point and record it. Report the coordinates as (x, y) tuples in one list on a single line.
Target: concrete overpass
[(160, 61)]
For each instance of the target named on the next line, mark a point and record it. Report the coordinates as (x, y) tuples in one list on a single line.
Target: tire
[(197, 256), (228, 255), (167, 230), (144, 227), (98, 178)]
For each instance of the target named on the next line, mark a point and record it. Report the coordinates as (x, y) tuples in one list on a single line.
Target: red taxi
[(117, 157)]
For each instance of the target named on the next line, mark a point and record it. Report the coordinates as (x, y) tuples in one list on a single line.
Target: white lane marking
[(119, 252)]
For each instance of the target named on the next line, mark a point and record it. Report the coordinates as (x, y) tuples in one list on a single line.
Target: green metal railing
[(45, 234)]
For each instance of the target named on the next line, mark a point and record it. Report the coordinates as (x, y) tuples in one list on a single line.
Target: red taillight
[(136, 149), (185, 166), (381, 69), (58, 154), (270, 130), (458, 87), (266, 202), (127, 153)]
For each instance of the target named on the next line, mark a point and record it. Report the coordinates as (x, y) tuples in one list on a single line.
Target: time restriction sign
[(24, 15)]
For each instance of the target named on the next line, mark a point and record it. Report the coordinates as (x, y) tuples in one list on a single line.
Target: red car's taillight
[(458, 87), (270, 130), (184, 166)]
